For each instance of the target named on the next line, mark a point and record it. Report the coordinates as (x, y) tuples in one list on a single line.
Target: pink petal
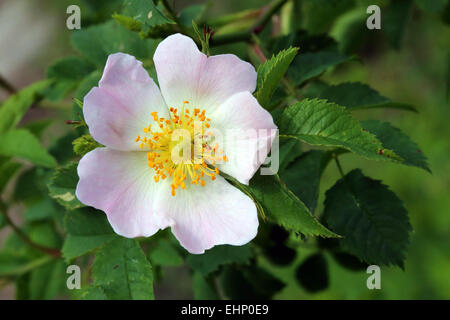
[(120, 184), (186, 74), (248, 131), (119, 109), (202, 217)]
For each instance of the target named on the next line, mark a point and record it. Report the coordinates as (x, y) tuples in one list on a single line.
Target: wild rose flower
[(135, 179)]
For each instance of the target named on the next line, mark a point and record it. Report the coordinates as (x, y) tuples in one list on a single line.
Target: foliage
[(362, 221)]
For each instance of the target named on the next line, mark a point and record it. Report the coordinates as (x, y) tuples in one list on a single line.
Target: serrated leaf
[(21, 143), (122, 271), (164, 254), (312, 64), (372, 219), (303, 175), (63, 184), (394, 139), (145, 12), (13, 109), (355, 95), (320, 123), (219, 255), (87, 229), (98, 41), (279, 204), (84, 144), (270, 74)]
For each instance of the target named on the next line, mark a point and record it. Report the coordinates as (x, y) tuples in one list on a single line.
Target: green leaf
[(98, 41), (394, 139), (312, 274), (303, 175), (87, 229), (355, 95), (204, 288), (289, 150), (123, 271), (63, 184), (93, 293), (145, 12), (249, 282), (395, 18), (312, 64), (85, 86), (47, 281), (8, 169), (372, 219), (320, 123), (16, 263), (13, 109), (21, 143), (67, 73), (84, 144), (270, 74), (165, 254), (212, 259), (40, 210), (282, 206), (192, 13), (38, 127)]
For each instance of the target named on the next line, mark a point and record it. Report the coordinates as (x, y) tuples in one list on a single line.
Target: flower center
[(181, 148)]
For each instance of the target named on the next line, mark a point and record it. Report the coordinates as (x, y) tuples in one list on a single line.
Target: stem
[(273, 7), (338, 164), (54, 252), (7, 86)]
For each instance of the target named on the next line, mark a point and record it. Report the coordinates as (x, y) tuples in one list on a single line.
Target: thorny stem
[(54, 252)]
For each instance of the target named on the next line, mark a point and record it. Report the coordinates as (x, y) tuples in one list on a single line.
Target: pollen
[(188, 160)]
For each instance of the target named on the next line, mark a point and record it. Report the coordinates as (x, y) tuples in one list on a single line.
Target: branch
[(7, 86), (54, 252)]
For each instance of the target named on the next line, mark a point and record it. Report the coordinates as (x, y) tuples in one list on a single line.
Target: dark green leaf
[(394, 139), (87, 229), (204, 288), (192, 13), (63, 184), (320, 123), (8, 169), (122, 270), (145, 12), (164, 254), (270, 74), (312, 274), (47, 281), (394, 20), (372, 219), (219, 255), (355, 95), (303, 175)]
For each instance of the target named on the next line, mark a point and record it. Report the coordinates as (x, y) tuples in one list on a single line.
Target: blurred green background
[(33, 35)]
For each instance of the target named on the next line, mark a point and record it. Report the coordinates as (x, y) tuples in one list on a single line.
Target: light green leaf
[(394, 139), (279, 204), (84, 144), (270, 74), (21, 143), (123, 271), (372, 219), (13, 109), (87, 229), (212, 259), (355, 95), (312, 64), (63, 184), (320, 123)]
